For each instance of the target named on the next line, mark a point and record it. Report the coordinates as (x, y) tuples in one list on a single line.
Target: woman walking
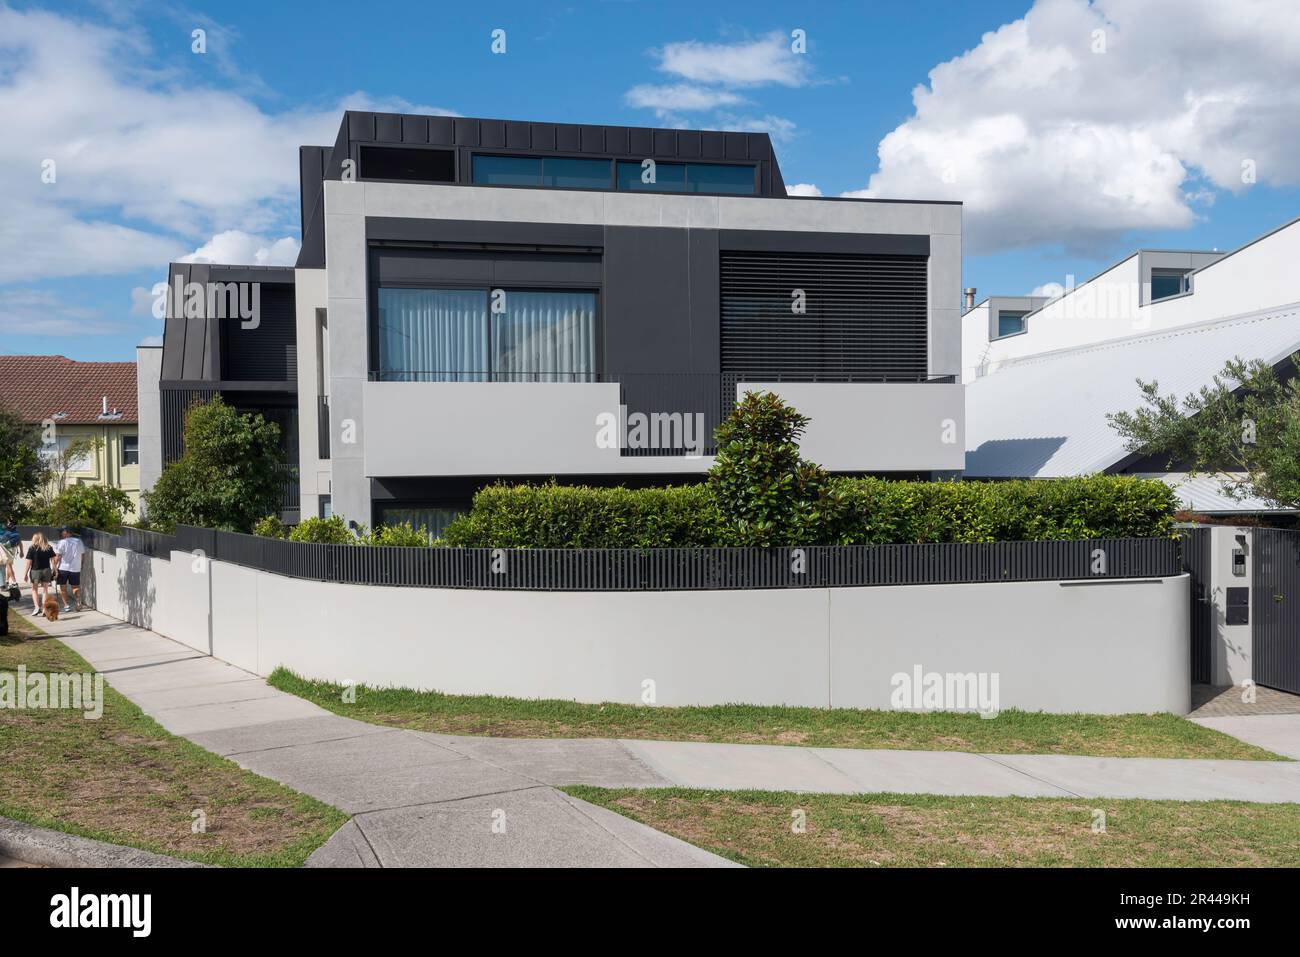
[(40, 572)]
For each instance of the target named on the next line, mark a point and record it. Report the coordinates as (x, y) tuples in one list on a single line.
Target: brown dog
[(52, 609)]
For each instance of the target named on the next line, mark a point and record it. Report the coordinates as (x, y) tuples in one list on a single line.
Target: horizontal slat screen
[(865, 316)]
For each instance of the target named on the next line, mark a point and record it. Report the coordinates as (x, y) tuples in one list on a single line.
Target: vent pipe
[(970, 297)]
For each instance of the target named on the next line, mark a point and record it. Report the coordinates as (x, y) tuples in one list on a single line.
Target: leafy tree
[(1243, 429), (57, 465), (765, 491), (229, 476), (404, 535), (270, 527), (323, 531), (20, 462), (90, 506)]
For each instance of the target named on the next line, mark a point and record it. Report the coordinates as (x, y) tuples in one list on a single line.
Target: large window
[(686, 178), (565, 173), (480, 335), (408, 163), (555, 171)]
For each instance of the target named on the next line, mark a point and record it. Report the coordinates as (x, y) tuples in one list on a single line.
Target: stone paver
[(431, 799), (1211, 702)]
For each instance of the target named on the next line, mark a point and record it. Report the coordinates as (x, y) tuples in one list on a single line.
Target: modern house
[(87, 405), (1042, 375), (482, 299)]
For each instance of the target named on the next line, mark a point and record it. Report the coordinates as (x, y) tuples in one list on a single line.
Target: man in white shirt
[(68, 553)]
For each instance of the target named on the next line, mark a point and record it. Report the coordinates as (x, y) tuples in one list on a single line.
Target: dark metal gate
[(1275, 612), (1196, 562)]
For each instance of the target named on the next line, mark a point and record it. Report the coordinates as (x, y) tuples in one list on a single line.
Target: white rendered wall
[(1102, 647), (1231, 646), (1260, 275)]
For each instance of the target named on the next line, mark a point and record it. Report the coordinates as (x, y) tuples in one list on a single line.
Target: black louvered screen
[(268, 352), (865, 316)]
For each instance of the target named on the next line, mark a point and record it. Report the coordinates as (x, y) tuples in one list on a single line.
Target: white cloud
[(33, 312), (778, 127), (665, 100), (138, 143), (802, 189), (1052, 290), (239, 248), (1046, 140), (764, 61)]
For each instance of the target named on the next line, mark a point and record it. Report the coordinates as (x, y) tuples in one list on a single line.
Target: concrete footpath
[(423, 799)]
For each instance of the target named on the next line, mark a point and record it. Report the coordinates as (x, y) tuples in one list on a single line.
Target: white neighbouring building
[(1041, 375)]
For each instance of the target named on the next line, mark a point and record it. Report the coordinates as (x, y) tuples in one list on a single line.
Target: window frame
[(455, 163), (375, 374), (124, 462), (997, 324)]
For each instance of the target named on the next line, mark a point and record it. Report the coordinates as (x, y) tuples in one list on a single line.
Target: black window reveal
[(411, 164)]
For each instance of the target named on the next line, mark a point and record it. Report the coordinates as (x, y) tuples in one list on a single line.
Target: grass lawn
[(123, 779), (1012, 732), (907, 830)]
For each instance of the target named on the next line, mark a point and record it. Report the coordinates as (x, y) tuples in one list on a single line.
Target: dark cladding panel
[(641, 143), (647, 300), (737, 146), (568, 139), (467, 132), (616, 140), (688, 144), (388, 128), (543, 136), (415, 129), (492, 134), (196, 329), (760, 147), (173, 363), (593, 139), (713, 145), (517, 137), (442, 131), (665, 143), (361, 126)]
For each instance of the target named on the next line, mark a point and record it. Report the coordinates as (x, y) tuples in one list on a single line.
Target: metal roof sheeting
[(1044, 416)]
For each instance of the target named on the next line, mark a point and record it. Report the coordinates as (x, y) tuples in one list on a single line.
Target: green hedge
[(558, 516), (879, 512), (849, 512)]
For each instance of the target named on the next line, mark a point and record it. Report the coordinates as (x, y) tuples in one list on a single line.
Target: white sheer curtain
[(545, 337), (428, 335), (433, 335)]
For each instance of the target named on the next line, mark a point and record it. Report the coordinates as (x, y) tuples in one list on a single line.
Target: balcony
[(611, 423)]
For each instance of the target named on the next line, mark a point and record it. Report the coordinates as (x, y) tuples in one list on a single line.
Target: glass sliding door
[(432, 335), (545, 336)]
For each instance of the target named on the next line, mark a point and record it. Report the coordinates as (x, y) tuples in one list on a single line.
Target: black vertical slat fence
[(1196, 562), (1275, 615)]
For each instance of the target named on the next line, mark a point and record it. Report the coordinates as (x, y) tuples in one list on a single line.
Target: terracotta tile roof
[(41, 387)]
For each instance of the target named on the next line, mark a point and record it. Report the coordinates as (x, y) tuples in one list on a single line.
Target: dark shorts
[(68, 578), (42, 576)]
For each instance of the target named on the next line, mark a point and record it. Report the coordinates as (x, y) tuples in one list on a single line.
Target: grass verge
[(757, 828), (124, 779), (1011, 732)]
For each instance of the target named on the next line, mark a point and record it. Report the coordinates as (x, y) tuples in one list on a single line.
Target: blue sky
[(1071, 137)]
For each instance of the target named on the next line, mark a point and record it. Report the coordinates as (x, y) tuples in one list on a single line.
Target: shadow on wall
[(1011, 458), (135, 588)]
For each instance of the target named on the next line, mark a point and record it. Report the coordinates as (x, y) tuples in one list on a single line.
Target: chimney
[(970, 297)]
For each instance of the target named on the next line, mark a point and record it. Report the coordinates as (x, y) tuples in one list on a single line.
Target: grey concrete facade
[(148, 371), (658, 236)]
